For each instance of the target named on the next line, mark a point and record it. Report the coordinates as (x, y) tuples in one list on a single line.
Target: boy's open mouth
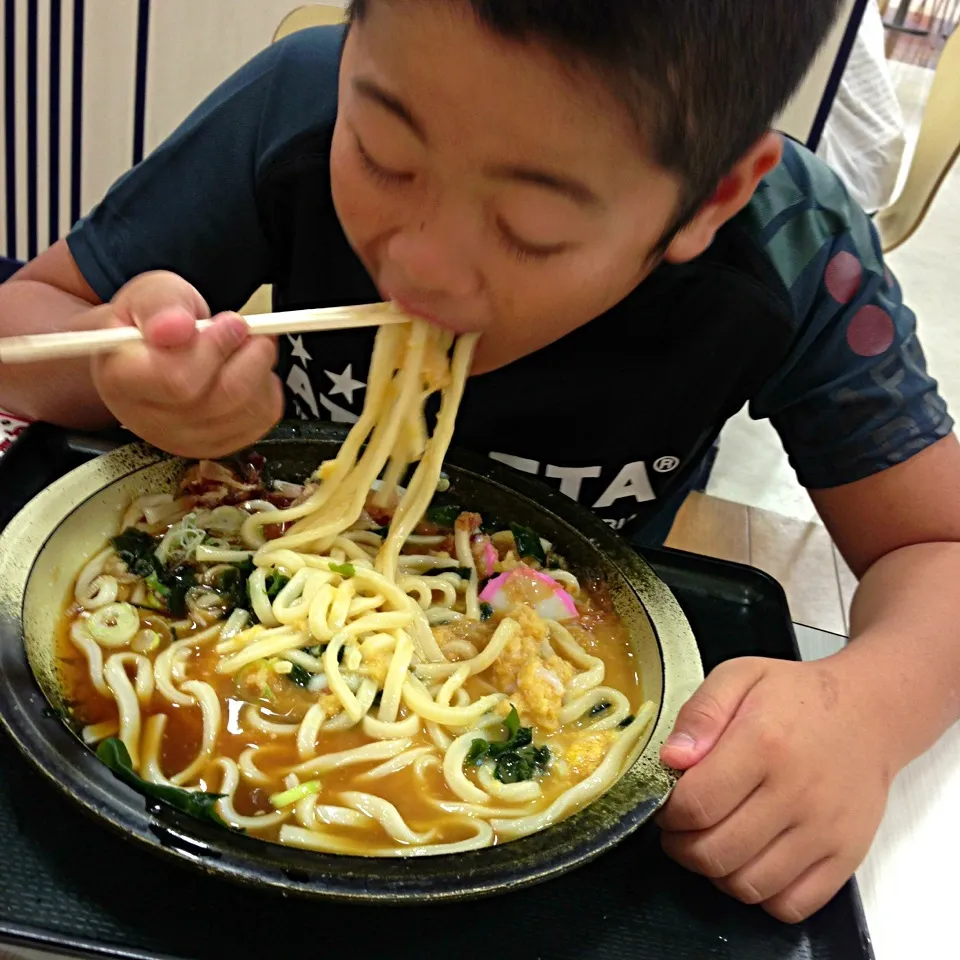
[(444, 321)]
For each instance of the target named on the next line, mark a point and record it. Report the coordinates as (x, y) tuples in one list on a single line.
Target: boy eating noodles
[(596, 191)]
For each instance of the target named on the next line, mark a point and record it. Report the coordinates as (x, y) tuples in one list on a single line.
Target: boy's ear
[(731, 196)]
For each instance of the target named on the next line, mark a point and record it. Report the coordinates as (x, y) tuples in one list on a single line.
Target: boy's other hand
[(194, 394), (787, 773)]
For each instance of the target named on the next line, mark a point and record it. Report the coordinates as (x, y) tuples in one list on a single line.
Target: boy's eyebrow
[(568, 186), (388, 101)]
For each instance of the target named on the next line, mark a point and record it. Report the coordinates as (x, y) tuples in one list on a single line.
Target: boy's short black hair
[(703, 79)]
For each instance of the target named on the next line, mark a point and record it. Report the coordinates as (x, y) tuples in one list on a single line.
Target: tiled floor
[(752, 475)]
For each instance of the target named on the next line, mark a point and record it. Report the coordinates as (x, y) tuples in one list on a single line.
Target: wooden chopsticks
[(34, 348)]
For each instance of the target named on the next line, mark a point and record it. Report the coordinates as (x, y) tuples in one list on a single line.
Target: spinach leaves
[(299, 676), (200, 806), (231, 584), (516, 758), (444, 516), (276, 581), (136, 549), (528, 544), (168, 587), (174, 585)]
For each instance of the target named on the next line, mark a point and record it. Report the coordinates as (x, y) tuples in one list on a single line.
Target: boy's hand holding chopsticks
[(190, 384), (192, 392)]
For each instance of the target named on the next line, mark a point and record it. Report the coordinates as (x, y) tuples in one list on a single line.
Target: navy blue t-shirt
[(792, 309)]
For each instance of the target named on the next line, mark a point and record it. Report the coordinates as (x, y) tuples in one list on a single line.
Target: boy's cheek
[(364, 212)]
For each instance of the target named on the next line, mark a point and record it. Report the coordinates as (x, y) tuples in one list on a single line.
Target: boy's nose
[(430, 263)]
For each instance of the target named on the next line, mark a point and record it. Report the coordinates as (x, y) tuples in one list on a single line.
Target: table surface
[(909, 880)]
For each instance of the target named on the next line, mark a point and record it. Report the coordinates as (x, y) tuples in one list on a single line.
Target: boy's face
[(483, 185)]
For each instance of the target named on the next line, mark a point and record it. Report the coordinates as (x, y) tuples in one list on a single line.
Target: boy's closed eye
[(511, 239), (380, 171), (527, 250)]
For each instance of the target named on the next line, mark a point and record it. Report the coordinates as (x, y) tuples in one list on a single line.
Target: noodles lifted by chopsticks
[(406, 368)]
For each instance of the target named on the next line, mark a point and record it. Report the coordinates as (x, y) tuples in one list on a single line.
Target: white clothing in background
[(864, 139)]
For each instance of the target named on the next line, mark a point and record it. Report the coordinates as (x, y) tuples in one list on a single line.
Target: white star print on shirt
[(299, 351), (344, 384)]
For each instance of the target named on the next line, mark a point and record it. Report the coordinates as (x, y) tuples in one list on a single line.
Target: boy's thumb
[(705, 716)]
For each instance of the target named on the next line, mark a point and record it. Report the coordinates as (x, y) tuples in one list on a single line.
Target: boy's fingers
[(715, 788), (151, 295), (175, 377), (774, 869), (812, 890), (184, 376), (169, 329), (707, 713), (162, 305), (247, 387)]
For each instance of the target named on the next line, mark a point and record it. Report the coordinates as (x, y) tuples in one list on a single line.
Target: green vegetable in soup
[(528, 544), (515, 759), (444, 515), (478, 752), (232, 586), (136, 549), (299, 676), (200, 806), (180, 542), (522, 765), (344, 569), (275, 583), (486, 611), (464, 573), (176, 583), (291, 796), (167, 586)]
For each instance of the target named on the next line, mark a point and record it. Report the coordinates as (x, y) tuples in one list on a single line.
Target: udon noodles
[(342, 667)]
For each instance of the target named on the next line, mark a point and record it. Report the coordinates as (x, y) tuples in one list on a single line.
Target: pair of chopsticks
[(61, 346)]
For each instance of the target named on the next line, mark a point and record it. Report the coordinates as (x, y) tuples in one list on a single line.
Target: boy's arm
[(51, 295), (194, 394), (899, 530), (789, 764)]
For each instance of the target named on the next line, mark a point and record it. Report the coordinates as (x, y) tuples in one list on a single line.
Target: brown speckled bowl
[(44, 547)]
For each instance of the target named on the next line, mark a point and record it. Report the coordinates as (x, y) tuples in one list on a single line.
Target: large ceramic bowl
[(44, 547)]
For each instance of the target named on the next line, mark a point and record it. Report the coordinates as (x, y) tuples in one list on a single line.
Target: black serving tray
[(71, 887)]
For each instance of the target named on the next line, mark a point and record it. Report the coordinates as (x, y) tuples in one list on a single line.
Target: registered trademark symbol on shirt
[(666, 464)]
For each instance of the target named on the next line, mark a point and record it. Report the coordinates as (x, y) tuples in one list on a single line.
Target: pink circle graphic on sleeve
[(870, 332), (843, 276)]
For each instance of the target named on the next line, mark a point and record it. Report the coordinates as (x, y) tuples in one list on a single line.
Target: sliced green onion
[(146, 641), (114, 625), (289, 797), (225, 520), (180, 541)]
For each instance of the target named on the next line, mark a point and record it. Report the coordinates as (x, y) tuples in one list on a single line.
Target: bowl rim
[(60, 756)]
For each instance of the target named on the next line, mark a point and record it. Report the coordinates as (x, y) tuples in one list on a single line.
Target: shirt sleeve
[(854, 396), (191, 207)]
